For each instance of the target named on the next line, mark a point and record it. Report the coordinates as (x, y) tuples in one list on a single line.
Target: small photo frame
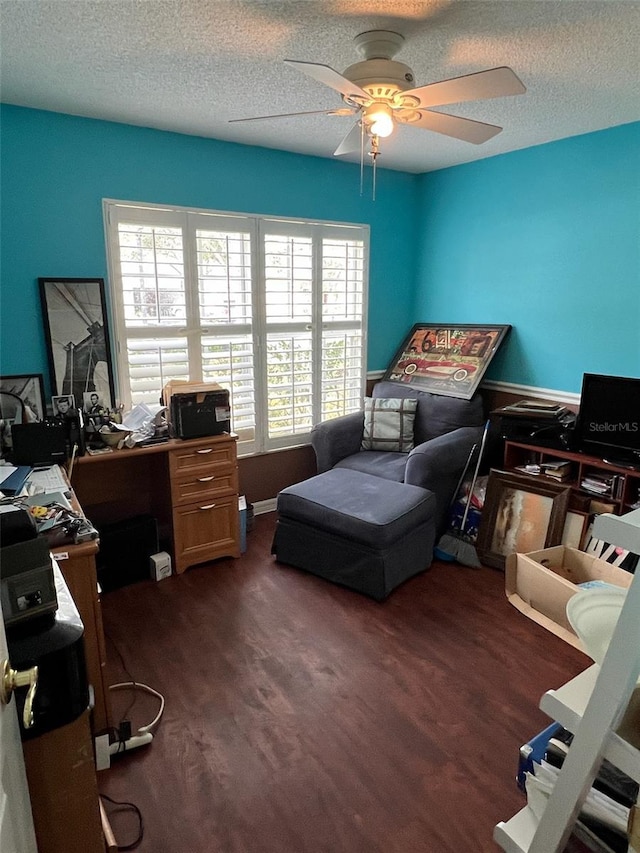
[(520, 514), (92, 403), (62, 404)]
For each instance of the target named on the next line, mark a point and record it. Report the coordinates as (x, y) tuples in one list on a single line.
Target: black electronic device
[(556, 432), (199, 414), (27, 587), (125, 549), (74, 428), (56, 647), (608, 422), (16, 525), (42, 443)]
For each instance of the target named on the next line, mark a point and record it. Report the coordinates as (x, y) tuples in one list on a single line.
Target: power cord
[(126, 806), (145, 733), (124, 739), (127, 710)]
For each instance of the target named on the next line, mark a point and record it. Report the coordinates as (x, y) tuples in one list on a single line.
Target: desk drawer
[(207, 454), (207, 531), (204, 484)]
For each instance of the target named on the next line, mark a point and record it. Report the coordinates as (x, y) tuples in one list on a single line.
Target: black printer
[(197, 410)]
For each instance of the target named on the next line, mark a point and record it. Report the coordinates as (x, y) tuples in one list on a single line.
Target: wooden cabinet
[(601, 707), (617, 486), (204, 495)]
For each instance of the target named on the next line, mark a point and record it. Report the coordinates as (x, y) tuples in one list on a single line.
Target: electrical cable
[(138, 685), (124, 741), (124, 806), (127, 710)]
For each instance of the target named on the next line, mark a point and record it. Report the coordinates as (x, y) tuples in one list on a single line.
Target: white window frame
[(192, 219)]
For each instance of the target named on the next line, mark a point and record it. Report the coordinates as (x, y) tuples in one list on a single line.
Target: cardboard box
[(540, 584), (179, 386)]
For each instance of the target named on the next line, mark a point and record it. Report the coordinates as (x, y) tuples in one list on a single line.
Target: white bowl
[(593, 614)]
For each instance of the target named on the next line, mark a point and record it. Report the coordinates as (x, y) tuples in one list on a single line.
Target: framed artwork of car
[(447, 359)]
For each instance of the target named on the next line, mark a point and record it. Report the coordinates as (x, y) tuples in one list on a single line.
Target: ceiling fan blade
[(465, 129), (493, 83), (341, 111), (351, 142), (329, 77)]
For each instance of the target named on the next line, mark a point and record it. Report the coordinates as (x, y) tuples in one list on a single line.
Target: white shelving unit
[(600, 708)]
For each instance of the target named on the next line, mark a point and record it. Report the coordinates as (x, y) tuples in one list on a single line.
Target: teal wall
[(56, 169), (547, 239)]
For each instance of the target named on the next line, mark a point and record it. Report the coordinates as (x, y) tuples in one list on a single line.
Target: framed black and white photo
[(92, 404), (62, 405), (77, 335), (29, 387)]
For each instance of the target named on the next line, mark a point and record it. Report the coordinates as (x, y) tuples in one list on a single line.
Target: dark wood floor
[(304, 718)]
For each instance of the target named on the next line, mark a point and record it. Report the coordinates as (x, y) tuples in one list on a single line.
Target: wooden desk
[(190, 487)]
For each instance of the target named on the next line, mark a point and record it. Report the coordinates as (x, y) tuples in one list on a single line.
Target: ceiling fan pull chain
[(375, 169), (362, 135)]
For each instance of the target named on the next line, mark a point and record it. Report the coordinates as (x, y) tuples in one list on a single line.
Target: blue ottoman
[(357, 530)]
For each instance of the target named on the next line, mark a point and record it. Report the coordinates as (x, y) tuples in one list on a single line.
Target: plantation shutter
[(225, 303), (271, 309), (153, 304), (343, 272)]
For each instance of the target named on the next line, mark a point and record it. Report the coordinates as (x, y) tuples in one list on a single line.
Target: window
[(272, 309)]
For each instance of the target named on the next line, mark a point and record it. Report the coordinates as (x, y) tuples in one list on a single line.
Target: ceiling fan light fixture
[(379, 120)]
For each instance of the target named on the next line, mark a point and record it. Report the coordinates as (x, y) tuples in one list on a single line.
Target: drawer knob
[(208, 506), (205, 450), (205, 479)]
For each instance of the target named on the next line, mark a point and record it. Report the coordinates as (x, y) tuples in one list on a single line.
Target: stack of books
[(559, 470), (599, 483)]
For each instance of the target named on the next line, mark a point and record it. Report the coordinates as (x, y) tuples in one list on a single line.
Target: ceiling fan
[(378, 91)]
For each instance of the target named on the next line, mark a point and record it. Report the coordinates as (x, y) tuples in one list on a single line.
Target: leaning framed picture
[(520, 514), (445, 358), (77, 335), (29, 387), (575, 527)]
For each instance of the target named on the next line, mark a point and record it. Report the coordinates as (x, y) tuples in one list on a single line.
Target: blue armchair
[(445, 430)]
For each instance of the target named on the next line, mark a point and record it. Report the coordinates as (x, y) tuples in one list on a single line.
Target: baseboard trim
[(261, 507)]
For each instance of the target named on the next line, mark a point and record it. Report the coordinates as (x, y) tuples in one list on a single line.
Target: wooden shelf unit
[(601, 707), (626, 481)]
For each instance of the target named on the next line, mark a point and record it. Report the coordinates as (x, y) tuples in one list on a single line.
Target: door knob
[(10, 680)]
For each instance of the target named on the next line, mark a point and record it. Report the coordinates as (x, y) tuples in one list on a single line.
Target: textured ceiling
[(191, 65)]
